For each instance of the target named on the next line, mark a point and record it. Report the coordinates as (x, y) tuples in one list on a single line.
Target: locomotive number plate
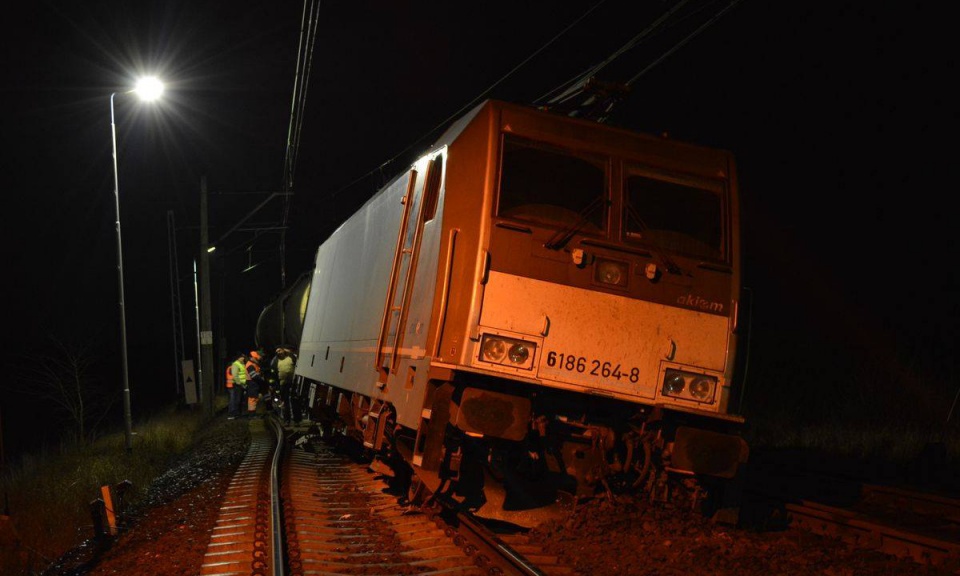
[(592, 367)]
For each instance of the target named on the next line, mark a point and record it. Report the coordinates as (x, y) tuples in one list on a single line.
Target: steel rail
[(513, 558), (276, 527), (243, 532), (918, 543), (926, 503)]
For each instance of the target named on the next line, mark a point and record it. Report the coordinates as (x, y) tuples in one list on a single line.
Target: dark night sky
[(838, 112)]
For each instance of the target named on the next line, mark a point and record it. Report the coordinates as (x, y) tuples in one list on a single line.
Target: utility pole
[(177, 315), (206, 330)]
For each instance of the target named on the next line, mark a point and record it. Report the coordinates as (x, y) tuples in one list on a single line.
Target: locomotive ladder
[(404, 266)]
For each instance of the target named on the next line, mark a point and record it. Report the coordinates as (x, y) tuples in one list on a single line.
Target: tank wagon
[(281, 321), (539, 306)]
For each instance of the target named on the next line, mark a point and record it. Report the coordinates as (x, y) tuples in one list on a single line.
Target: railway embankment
[(168, 532)]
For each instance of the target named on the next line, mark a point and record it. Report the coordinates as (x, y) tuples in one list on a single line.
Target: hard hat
[(255, 355)]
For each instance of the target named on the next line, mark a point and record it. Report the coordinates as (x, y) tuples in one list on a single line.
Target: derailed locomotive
[(539, 306)]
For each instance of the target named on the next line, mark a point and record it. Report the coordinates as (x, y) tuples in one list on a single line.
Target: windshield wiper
[(562, 237), (658, 251)]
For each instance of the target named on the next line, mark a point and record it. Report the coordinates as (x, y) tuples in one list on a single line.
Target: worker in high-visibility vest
[(286, 362), (236, 385), (254, 382)]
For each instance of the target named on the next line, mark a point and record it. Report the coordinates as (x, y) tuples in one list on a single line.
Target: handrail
[(432, 179), (394, 271), (445, 290)]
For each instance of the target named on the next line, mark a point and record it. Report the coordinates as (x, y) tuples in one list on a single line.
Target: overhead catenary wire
[(598, 107), (602, 116), (307, 40), (308, 36), (575, 85), (469, 104), (683, 42)]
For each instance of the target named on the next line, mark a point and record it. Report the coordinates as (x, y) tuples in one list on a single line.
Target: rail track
[(312, 509), (904, 523), (245, 539)]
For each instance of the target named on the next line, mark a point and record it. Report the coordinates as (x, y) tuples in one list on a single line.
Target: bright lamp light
[(149, 88)]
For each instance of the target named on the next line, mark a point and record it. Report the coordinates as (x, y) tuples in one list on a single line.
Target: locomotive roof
[(710, 159)]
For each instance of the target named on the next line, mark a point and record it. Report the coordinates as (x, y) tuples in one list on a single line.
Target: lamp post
[(147, 89)]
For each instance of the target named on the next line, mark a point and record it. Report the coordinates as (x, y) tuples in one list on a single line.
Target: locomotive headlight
[(689, 386), (702, 389), (611, 272), (673, 385), (519, 353), (493, 349), (507, 351)]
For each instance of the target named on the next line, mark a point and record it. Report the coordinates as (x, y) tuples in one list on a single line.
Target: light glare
[(149, 88)]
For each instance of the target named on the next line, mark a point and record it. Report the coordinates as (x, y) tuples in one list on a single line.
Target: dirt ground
[(636, 537), (168, 534), (629, 537)]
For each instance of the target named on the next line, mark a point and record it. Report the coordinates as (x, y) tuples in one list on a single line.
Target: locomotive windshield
[(554, 187), (551, 186), (672, 216)]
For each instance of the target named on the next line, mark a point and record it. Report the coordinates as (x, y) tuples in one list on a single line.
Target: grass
[(893, 441), (49, 494), (875, 404)]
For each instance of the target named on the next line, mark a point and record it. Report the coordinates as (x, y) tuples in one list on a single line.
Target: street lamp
[(148, 89)]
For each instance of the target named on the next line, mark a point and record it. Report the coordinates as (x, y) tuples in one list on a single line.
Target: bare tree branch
[(63, 376)]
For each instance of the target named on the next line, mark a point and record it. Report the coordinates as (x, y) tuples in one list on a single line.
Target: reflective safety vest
[(285, 369), (230, 376), (239, 372), (252, 371)]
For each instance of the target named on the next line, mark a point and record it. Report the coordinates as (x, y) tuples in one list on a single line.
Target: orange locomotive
[(539, 306)]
